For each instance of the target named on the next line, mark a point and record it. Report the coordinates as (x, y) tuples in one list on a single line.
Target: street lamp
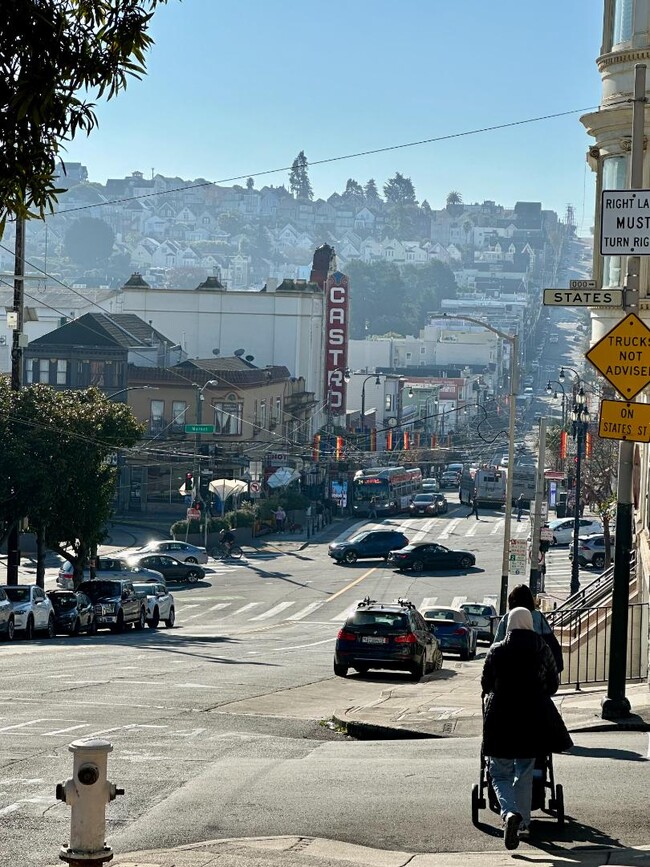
[(513, 340), (580, 423), (549, 391), (196, 489), (363, 399)]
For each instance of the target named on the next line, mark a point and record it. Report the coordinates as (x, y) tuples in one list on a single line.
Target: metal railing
[(584, 636)]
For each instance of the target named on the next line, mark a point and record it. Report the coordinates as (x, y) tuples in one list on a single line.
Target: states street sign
[(625, 223), (622, 420), (583, 297), (622, 356)]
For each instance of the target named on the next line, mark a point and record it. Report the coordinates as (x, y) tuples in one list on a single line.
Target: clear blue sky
[(240, 87)]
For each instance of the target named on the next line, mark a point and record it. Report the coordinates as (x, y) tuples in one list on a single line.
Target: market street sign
[(583, 297), (517, 557), (622, 356), (621, 420), (199, 428), (625, 223)]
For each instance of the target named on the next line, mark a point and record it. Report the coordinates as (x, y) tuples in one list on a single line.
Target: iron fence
[(584, 636)]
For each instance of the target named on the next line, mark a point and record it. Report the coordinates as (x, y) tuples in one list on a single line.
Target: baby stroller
[(543, 779)]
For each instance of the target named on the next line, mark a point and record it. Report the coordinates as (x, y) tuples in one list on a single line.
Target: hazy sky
[(236, 88)]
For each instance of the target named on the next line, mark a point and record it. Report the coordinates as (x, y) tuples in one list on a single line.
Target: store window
[(614, 178)]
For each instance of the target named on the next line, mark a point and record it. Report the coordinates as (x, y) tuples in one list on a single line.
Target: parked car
[(107, 567), (591, 550), (386, 635), (116, 604), (452, 628), (7, 622), (483, 617), (429, 555), (160, 604), (563, 529), (423, 505), (367, 545), (182, 551), (32, 609), (169, 567), (73, 612)]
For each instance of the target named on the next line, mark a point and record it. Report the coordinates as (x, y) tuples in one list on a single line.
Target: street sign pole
[(616, 705)]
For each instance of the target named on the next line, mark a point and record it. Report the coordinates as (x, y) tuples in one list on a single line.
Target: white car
[(33, 611), (182, 551), (160, 604), (107, 567), (563, 529)]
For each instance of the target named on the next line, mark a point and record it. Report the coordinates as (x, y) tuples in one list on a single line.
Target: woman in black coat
[(520, 722)]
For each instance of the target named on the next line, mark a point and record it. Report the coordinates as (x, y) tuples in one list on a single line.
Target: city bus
[(489, 484), (392, 488)]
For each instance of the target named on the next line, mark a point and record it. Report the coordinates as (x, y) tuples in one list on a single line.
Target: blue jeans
[(512, 780)]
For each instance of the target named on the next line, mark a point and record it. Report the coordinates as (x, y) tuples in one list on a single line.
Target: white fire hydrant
[(88, 793)]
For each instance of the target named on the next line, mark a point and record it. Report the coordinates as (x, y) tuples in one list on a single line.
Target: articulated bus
[(489, 484), (392, 488)]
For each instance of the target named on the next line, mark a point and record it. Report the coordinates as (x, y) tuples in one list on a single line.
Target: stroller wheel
[(476, 804), (559, 804)]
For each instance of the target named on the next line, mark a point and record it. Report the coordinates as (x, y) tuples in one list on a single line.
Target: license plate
[(104, 619), (372, 639)]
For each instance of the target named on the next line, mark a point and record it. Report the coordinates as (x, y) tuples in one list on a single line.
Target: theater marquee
[(336, 340)]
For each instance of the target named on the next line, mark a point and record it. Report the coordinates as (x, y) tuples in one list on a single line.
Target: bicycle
[(223, 552)]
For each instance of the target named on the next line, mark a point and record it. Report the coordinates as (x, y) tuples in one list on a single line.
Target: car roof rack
[(405, 603), (363, 603)]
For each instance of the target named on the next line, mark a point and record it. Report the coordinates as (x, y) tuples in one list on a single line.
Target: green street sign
[(199, 428)]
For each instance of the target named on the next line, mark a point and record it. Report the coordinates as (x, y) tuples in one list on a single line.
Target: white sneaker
[(511, 827)]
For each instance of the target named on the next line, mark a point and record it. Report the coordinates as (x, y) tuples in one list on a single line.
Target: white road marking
[(4, 811), (457, 601), (428, 602), (309, 609), (63, 731), (246, 608), (449, 529), (344, 614), (185, 607), (472, 530), (23, 781), (281, 606), (490, 600), (424, 531), (31, 722), (498, 526), (218, 607), (301, 646)]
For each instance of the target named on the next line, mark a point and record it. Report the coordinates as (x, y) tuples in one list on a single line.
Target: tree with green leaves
[(54, 466), (353, 192), (250, 184), (52, 54), (399, 190), (371, 192), (89, 241), (299, 178)]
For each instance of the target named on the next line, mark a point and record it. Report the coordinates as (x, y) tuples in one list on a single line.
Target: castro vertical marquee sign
[(337, 316)]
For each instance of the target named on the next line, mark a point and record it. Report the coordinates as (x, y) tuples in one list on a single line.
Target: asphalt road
[(216, 723)]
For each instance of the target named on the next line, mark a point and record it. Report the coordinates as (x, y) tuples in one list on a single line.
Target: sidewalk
[(318, 852), (448, 704), (297, 541)]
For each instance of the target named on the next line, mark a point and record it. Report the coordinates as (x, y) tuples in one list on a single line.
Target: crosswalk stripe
[(472, 530), (449, 529), (490, 600), (424, 531), (185, 607), (428, 602), (498, 526), (216, 607), (246, 607), (299, 615), (344, 614), (457, 601), (281, 606)]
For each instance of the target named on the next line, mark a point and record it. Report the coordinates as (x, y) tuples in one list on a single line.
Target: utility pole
[(534, 582), (616, 705), (13, 539)]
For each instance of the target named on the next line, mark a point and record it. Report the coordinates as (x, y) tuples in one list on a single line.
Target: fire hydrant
[(88, 793)]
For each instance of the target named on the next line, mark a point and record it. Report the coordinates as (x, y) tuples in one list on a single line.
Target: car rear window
[(63, 602), (95, 589), (438, 614), (18, 594), (481, 610), (380, 620)]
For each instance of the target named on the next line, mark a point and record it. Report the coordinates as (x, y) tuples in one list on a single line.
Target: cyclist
[(227, 540)]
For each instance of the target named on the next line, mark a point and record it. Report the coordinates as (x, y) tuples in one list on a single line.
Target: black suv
[(368, 545), (116, 604), (386, 635)]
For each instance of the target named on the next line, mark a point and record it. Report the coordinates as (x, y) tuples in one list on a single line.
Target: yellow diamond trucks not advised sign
[(623, 356), (621, 420)]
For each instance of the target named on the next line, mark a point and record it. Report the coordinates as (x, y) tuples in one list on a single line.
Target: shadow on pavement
[(607, 753)]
